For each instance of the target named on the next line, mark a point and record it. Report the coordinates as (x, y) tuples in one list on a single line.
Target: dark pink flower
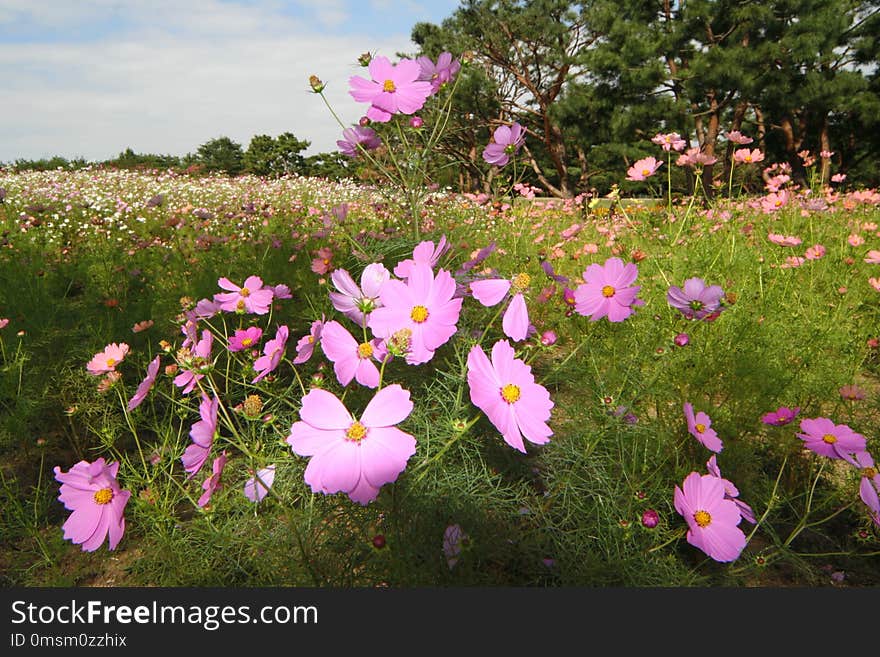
[(354, 139), (506, 142), (712, 518), (348, 455), (836, 441), (781, 416), (202, 433), (505, 390), (145, 385), (441, 73), (306, 344), (393, 89), (650, 518), (870, 482), (212, 483), (252, 297), (273, 351), (245, 338), (608, 291), (92, 493)]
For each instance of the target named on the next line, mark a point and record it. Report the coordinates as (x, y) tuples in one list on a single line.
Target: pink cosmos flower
[(250, 298), (424, 306), (781, 416), (245, 338), (202, 433), (746, 156), (694, 157), (505, 390), (355, 302), (212, 483), (205, 309), (138, 327), (852, 392), (506, 141), (696, 300), (353, 139), (350, 359), (4, 322), (873, 257), (836, 441), (257, 487), (875, 283), (323, 263), (712, 518), (145, 385), (281, 291), (731, 492), (349, 455), (393, 89), (870, 482), (784, 240), (490, 292), (199, 359), (815, 252), (774, 201), (838, 177), (738, 138), (425, 253), (643, 169), (608, 291), (855, 240), (306, 344), (272, 353), (107, 360), (669, 142), (700, 427), (92, 493), (438, 74)]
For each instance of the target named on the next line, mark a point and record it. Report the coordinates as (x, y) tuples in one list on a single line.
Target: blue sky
[(89, 78)]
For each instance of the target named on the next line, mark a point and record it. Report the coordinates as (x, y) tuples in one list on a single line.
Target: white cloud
[(195, 71)]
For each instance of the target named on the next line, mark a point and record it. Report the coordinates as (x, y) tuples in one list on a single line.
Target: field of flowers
[(246, 381), (242, 381)]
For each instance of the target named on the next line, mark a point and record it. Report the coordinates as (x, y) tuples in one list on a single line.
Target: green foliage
[(221, 154), (275, 156)]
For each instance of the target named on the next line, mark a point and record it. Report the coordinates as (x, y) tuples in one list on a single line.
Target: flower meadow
[(246, 381)]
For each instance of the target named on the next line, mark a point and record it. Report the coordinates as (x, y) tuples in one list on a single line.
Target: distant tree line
[(265, 156)]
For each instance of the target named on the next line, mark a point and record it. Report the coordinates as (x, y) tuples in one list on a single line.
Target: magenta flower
[(870, 482), (350, 359), (423, 306), (731, 492), (643, 169), (212, 483), (506, 141), (700, 427), (245, 338), (608, 291), (107, 360), (490, 292), (355, 302), (696, 300), (92, 493), (353, 456), (251, 298), (145, 385), (781, 416), (438, 74), (505, 390), (272, 353), (425, 253), (650, 518), (712, 518), (202, 434), (257, 487), (356, 138), (836, 441), (306, 344), (195, 362), (394, 89), (281, 291)]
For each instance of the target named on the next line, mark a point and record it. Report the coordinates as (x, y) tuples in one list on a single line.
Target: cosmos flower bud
[(316, 84), (365, 59)]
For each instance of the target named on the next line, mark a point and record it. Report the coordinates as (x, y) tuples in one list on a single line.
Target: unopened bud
[(316, 84), (365, 59)]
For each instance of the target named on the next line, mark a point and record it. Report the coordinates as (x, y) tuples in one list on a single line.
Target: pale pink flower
[(738, 138), (875, 283), (350, 359), (306, 344), (746, 156), (774, 201), (643, 169), (195, 363), (107, 360), (490, 292), (257, 487), (212, 483), (425, 253), (355, 302), (873, 257), (855, 240), (784, 240), (815, 252), (669, 142), (252, 297)]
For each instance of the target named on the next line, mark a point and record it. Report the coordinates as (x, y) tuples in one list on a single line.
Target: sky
[(90, 78)]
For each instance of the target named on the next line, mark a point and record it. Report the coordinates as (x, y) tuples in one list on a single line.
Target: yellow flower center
[(111, 362), (510, 393), (240, 305), (521, 282), (103, 496), (247, 342), (702, 518), (419, 314), (748, 158), (870, 473), (389, 86), (607, 291), (830, 439), (700, 428), (356, 432), (365, 350), (244, 292), (646, 172), (311, 339)]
